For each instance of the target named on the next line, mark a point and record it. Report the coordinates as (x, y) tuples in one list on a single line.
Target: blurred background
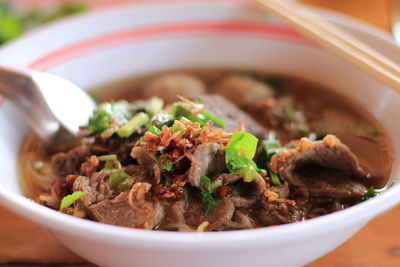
[(19, 16), (23, 243)]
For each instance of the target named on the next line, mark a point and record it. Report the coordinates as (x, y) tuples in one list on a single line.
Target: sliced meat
[(232, 115), (142, 157), (217, 217), (322, 168), (334, 187), (122, 213), (169, 86), (208, 160), (243, 202), (175, 213), (70, 162), (95, 188), (245, 195), (257, 186), (220, 215), (194, 213), (243, 91), (250, 189), (137, 172), (282, 190), (278, 212)]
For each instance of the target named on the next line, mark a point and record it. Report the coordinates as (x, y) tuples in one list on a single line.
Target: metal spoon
[(53, 106)]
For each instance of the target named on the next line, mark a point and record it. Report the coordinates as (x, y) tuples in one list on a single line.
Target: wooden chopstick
[(336, 40)]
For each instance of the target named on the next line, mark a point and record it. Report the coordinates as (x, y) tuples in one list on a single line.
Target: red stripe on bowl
[(268, 31)]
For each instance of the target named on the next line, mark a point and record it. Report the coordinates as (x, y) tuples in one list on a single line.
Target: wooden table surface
[(23, 243)]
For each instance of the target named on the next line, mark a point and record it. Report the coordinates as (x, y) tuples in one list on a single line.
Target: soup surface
[(212, 150)]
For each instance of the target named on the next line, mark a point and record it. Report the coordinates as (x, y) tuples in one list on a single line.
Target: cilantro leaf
[(369, 194), (179, 111), (208, 197), (100, 120)]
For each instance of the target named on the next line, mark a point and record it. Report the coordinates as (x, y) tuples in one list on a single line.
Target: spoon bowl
[(53, 106)]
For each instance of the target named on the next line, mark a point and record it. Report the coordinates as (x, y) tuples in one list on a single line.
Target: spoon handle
[(19, 87)]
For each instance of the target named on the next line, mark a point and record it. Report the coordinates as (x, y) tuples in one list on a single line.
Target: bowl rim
[(72, 225)]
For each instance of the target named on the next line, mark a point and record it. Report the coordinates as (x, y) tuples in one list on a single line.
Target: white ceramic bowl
[(97, 48)]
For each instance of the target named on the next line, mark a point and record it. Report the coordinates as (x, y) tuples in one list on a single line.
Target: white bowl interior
[(115, 58)]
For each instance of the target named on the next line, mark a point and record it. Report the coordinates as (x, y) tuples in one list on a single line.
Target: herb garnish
[(70, 199), (371, 192), (207, 190), (239, 154)]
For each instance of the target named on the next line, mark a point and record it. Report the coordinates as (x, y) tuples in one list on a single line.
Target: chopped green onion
[(70, 199), (177, 127), (239, 154), (139, 120), (154, 129), (213, 186), (241, 144), (200, 118), (125, 185), (262, 171), (154, 105), (209, 199), (275, 179), (213, 118), (109, 157), (168, 167), (244, 167), (119, 180)]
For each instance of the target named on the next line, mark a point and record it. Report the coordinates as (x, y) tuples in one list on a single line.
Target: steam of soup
[(212, 150)]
